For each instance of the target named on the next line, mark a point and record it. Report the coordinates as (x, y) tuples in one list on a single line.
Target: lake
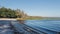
[(46, 26), (5, 27)]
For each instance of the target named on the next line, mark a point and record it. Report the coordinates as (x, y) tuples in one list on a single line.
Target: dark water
[(48, 26), (5, 27)]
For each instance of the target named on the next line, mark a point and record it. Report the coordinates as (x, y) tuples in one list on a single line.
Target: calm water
[(48, 26)]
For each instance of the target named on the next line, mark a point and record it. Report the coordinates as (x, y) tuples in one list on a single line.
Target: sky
[(45, 8)]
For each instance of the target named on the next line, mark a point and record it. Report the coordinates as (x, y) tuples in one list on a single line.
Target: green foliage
[(34, 18), (8, 13)]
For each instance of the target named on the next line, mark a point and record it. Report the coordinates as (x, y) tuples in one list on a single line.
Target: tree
[(9, 13)]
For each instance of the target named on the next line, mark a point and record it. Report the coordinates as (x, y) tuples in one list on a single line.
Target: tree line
[(9, 13)]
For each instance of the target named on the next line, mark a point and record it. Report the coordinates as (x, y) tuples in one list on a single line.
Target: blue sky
[(46, 8)]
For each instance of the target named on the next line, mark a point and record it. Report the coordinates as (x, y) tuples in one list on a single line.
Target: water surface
[(45, 25)]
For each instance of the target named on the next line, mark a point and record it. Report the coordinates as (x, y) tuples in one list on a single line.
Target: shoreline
[(20, 21), (7, 19)]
